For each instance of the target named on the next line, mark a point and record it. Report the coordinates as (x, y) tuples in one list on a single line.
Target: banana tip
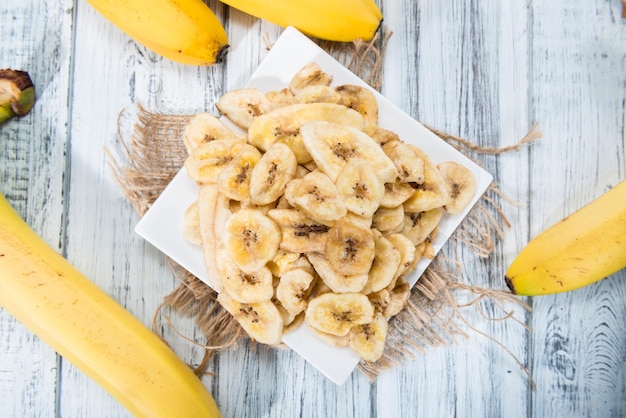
[(222, 54), (509, 284)]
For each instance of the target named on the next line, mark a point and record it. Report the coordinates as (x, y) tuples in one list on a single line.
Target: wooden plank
[(579, 342), (101, 221), (450, 69), (31, 177)]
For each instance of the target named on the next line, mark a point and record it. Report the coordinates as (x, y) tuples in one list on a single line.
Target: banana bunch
[(316, 214), (185, 31), (343, 21), (581, 249), (88, 328), (188, 32)]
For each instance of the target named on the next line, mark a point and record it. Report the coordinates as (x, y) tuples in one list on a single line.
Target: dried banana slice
[(361, 188), (336, 282), (287, 260), (251, 239), (461, 186), (293, 289), (409, 165), (280, 98), (388, 220), (208, 160), (332, 145), (337, 313), (299, 233), (262, 321), (368, 340), (302, 171), (294, 324), (270, 175), (426, 249), (243, 105), (407, 252), (396, 194), (288, 318), (246, 287), (191, 224), (318, 93), (213, 213), (310, 74), (316, 196), (418, 226), (398, 298), (380, 135), (204, 127), (432, 192), (284, 124), (385, 265), (365, 221), (360, 99), (380, 300), (350, 247), (234, 180)]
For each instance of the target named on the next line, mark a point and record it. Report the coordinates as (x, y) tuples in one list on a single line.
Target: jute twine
[(434, 314)]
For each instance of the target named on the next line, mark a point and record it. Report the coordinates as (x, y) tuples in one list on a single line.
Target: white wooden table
[(483, 70)]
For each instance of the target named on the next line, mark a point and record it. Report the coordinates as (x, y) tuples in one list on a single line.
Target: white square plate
[(162, 224)]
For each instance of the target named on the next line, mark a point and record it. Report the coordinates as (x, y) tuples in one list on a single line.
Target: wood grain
[(485, 71), (32, 152), (574, 347)]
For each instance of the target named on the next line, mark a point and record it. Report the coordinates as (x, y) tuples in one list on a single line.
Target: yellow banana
[(343, 21), (42, 290), (185, 31), (581, 249)]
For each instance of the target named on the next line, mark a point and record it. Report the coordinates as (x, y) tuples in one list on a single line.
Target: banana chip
[(317, 197), (251, 239), (246, 287), (191, 224), (262, 321), (460, 183), (309, 75), (350, 247), (293, 289), (243, 106), (208, 159), (360, 99), (204, 127), (332, 145), (368, 340), (361, 188), (338, 313), (272, 172), (317, 214)]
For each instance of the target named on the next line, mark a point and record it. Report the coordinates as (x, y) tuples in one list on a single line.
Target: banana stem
[(17, 94)]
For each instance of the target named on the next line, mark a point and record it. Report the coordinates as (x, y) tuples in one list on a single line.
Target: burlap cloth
[(434, 314)]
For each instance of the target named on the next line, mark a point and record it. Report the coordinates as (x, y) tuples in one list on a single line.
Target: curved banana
[(581, 249), (343, 21), (43, 291), (185, 31)]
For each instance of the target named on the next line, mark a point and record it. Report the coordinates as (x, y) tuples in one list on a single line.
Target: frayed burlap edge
[(433, 317)]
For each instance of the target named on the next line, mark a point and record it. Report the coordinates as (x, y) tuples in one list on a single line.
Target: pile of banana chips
[(314, 214)]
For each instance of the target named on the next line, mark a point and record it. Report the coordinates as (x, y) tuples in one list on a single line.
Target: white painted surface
[(483, 70)]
